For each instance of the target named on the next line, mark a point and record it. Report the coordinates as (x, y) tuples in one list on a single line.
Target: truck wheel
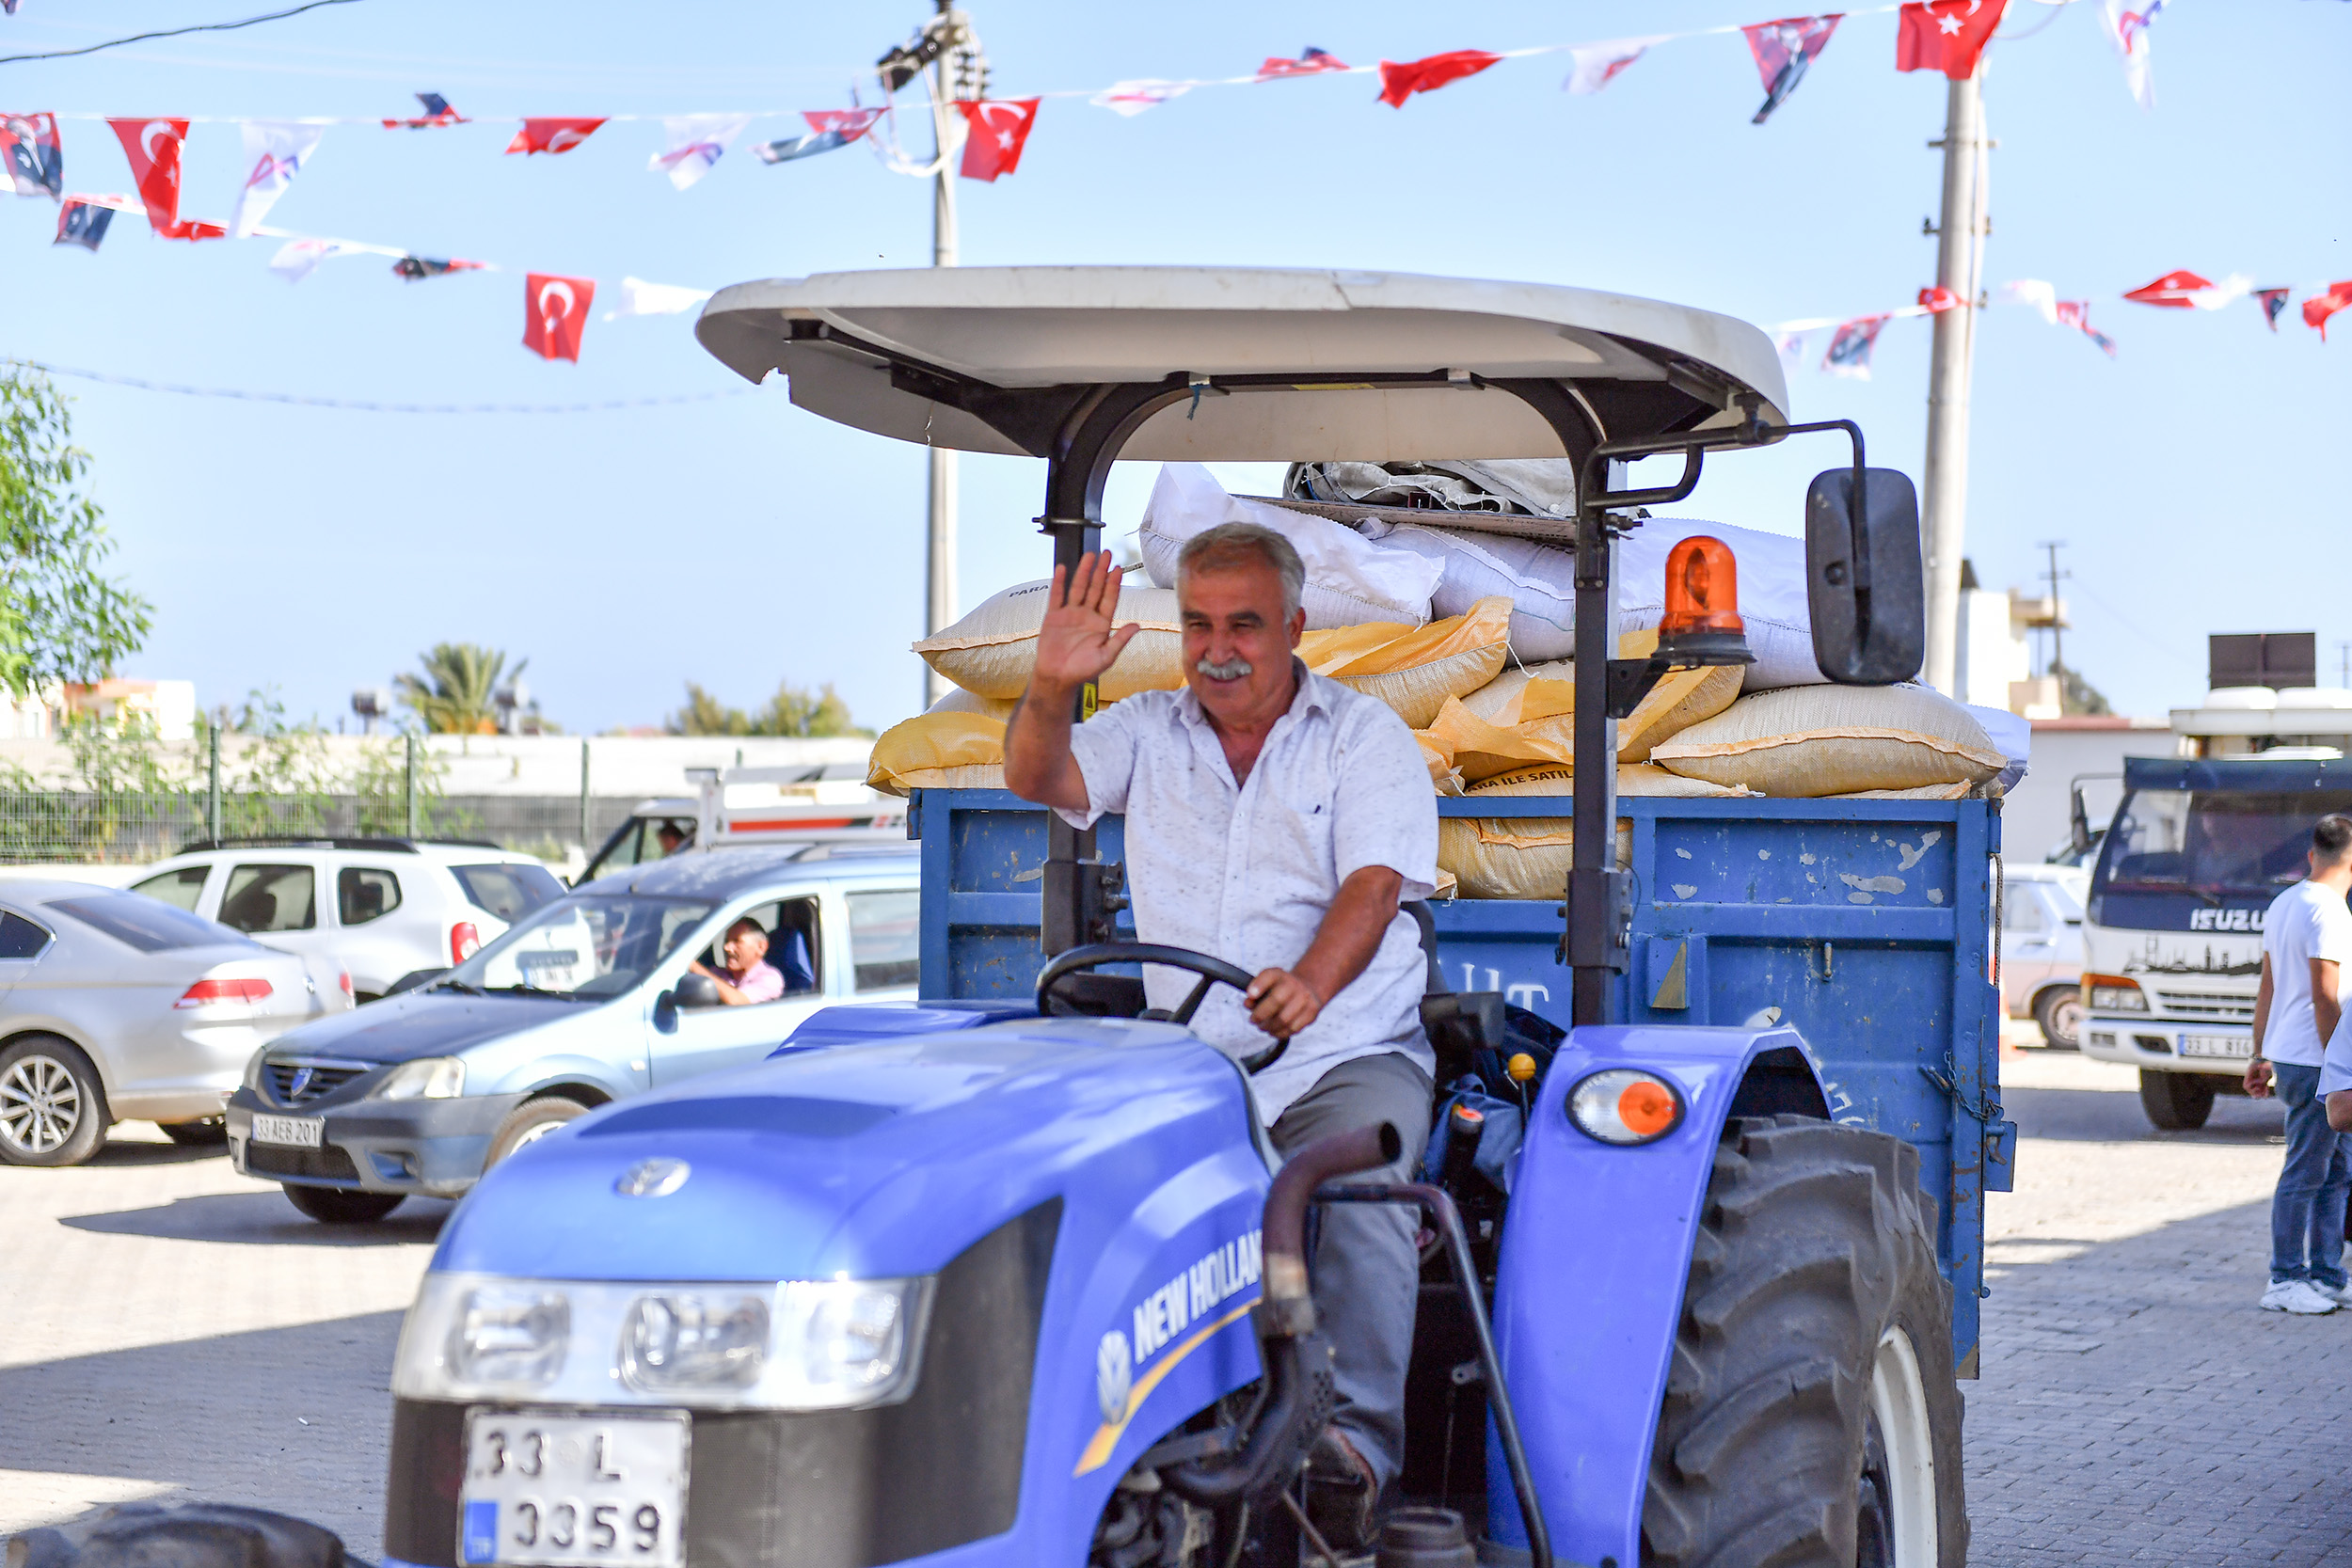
[(2175, 1102), (2059, 1011), (1810, 1418), (340, 1205)]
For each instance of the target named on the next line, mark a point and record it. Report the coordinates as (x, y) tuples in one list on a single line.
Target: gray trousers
[(1367, 1272)]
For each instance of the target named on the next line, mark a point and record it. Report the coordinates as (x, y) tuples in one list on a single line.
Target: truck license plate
[(545, 1490), (2230, 1047), (300, 1132)]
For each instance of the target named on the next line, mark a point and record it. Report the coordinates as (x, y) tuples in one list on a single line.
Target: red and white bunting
[(555, 314), (153, 148), (999, 130), (1598, 64), (2318, 307), (1400, 80), (1945, 35), (552, 136)]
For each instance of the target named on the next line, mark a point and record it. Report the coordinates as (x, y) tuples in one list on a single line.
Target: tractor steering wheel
[(1211, 970)]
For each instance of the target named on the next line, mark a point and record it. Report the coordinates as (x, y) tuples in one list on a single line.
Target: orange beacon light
[(1701, 624)]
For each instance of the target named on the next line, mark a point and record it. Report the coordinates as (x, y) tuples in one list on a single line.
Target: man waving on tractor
[(1276, 818)]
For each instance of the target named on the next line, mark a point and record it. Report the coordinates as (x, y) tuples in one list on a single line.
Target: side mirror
[(696, 990), (2079, 821), (1863, 578)]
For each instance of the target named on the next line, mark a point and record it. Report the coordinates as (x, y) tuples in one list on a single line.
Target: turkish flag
[(2174, 291), (1937, 300), (1314, 62), (153, 148), (1945, 35), (1399, 82), (556, 314), (552, 136), (195, 229), (2318, 307), (852, 123), (1000, 128)]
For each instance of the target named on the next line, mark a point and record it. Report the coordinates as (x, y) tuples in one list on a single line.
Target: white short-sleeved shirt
[(2305, 921), (1248, 874)]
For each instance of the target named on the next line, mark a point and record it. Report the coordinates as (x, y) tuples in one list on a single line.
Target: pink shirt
[(762, 982)]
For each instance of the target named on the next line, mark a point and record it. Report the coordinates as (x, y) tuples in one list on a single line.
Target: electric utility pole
[(1959, 267), (2057, 616), (948, 54)]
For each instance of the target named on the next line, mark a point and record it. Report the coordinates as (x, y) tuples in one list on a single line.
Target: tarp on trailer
[(1371, 366)]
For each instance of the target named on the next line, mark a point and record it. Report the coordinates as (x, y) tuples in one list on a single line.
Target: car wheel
[(533, 1119), (210, 1133), (2059, 1011), (53, 1108), (340, 1206)]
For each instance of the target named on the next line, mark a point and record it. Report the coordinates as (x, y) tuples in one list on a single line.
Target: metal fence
[(119, 828)]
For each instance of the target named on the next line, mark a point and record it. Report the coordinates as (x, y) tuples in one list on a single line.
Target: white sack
[(1540, 581), (1349, 580)]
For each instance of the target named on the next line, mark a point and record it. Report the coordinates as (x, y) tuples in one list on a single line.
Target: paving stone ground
[(174, 1330)]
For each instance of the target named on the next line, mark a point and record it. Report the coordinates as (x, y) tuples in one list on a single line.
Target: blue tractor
[(1011, 1275)]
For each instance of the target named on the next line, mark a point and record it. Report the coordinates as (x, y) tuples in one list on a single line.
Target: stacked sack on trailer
[(1466, 633)]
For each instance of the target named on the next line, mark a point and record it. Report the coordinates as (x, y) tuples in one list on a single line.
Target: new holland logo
[(1162, 1315), (1114, 1374)]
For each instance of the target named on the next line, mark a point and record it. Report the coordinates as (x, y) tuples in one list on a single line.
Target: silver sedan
[(116, 1005)]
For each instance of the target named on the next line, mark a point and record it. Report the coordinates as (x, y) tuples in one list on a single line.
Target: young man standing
[(2307, 941)]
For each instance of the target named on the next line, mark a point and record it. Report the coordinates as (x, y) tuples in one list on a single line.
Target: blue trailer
[(1012, 1275)]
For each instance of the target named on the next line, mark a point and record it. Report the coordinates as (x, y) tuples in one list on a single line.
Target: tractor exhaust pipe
[(1272, 1439)]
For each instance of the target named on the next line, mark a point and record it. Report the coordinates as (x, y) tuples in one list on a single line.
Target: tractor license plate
[(2232, 1048), (301, 1132), (566, 1491)]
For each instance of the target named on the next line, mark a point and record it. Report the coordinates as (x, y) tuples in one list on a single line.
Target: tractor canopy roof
[(1376, 366)]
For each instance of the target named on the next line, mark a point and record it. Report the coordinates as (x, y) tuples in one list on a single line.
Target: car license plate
[(2232, 1048), (301, 1132), (566, 1491)]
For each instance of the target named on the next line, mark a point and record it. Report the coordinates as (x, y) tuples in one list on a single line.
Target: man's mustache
[(1232, 670)]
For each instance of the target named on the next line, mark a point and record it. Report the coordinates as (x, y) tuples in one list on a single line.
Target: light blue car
[(587, 1000)]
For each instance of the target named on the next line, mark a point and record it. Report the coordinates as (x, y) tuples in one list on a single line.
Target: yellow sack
[(938, 750), (1443, 776), (1808, 741), (1527, 857), (992, 650), (1415, 669), (1527, 717), (1921, 792)]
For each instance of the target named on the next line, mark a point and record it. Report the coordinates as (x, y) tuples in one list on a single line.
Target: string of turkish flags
[(1854, 337)]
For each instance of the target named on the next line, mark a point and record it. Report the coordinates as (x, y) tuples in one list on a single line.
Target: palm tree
[(457, 692)]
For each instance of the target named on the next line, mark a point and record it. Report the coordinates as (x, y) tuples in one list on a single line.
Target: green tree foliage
[(457, 692), (2075, 694), (793, 711), (60, 619)]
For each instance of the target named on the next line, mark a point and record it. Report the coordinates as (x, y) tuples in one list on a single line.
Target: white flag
[(1791, 349), (298, 258), (1598, 64), (696, 142), (1132, 98), (2040, 292), (641, 298), (274, 151), (2129, 31)]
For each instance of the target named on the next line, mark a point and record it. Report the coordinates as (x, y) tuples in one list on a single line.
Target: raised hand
[(1077, 640)]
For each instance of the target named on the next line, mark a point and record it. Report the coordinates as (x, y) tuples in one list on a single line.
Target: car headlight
[(1625, 1106), (2113, 993), (428, 1078), (797, 1345)]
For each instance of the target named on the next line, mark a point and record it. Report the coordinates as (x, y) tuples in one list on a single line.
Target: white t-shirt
[(1248, 874), (2305, 922)]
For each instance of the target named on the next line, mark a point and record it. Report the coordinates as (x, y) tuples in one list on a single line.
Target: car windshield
[(587, 946), (149, 925), (2216, 843)]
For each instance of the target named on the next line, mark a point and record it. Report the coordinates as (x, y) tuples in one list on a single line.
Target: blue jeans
[(2307, 1211)]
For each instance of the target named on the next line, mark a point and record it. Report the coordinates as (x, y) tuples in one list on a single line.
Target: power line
[(173, 33), (300, 401)]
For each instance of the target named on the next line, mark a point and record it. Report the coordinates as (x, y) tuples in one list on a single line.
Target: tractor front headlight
[(826, 1344)]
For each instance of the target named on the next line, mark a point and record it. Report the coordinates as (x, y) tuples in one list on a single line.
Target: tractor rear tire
[(1810, 1419), (2176, 1101)]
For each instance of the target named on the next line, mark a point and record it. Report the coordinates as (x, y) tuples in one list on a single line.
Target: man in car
[(748, 977), (1275, 819)]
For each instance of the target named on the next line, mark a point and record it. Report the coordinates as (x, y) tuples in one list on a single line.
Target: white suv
[(384, 907)]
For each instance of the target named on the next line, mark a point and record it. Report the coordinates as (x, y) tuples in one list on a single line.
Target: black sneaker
[(1342, 1494)]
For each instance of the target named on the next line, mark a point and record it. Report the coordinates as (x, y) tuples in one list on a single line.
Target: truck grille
[(299, 1083), (2220, 1006)]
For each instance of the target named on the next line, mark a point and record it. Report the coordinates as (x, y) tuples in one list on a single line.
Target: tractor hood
[(424, 1024), (864, 1161)]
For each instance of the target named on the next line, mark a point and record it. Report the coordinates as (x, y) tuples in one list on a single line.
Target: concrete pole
[(939, 563), (1958, 266)]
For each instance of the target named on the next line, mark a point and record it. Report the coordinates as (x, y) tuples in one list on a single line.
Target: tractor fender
[(1595, 1253)]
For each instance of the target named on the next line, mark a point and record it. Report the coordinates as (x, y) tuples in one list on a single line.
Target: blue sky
[(2200, 478)]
